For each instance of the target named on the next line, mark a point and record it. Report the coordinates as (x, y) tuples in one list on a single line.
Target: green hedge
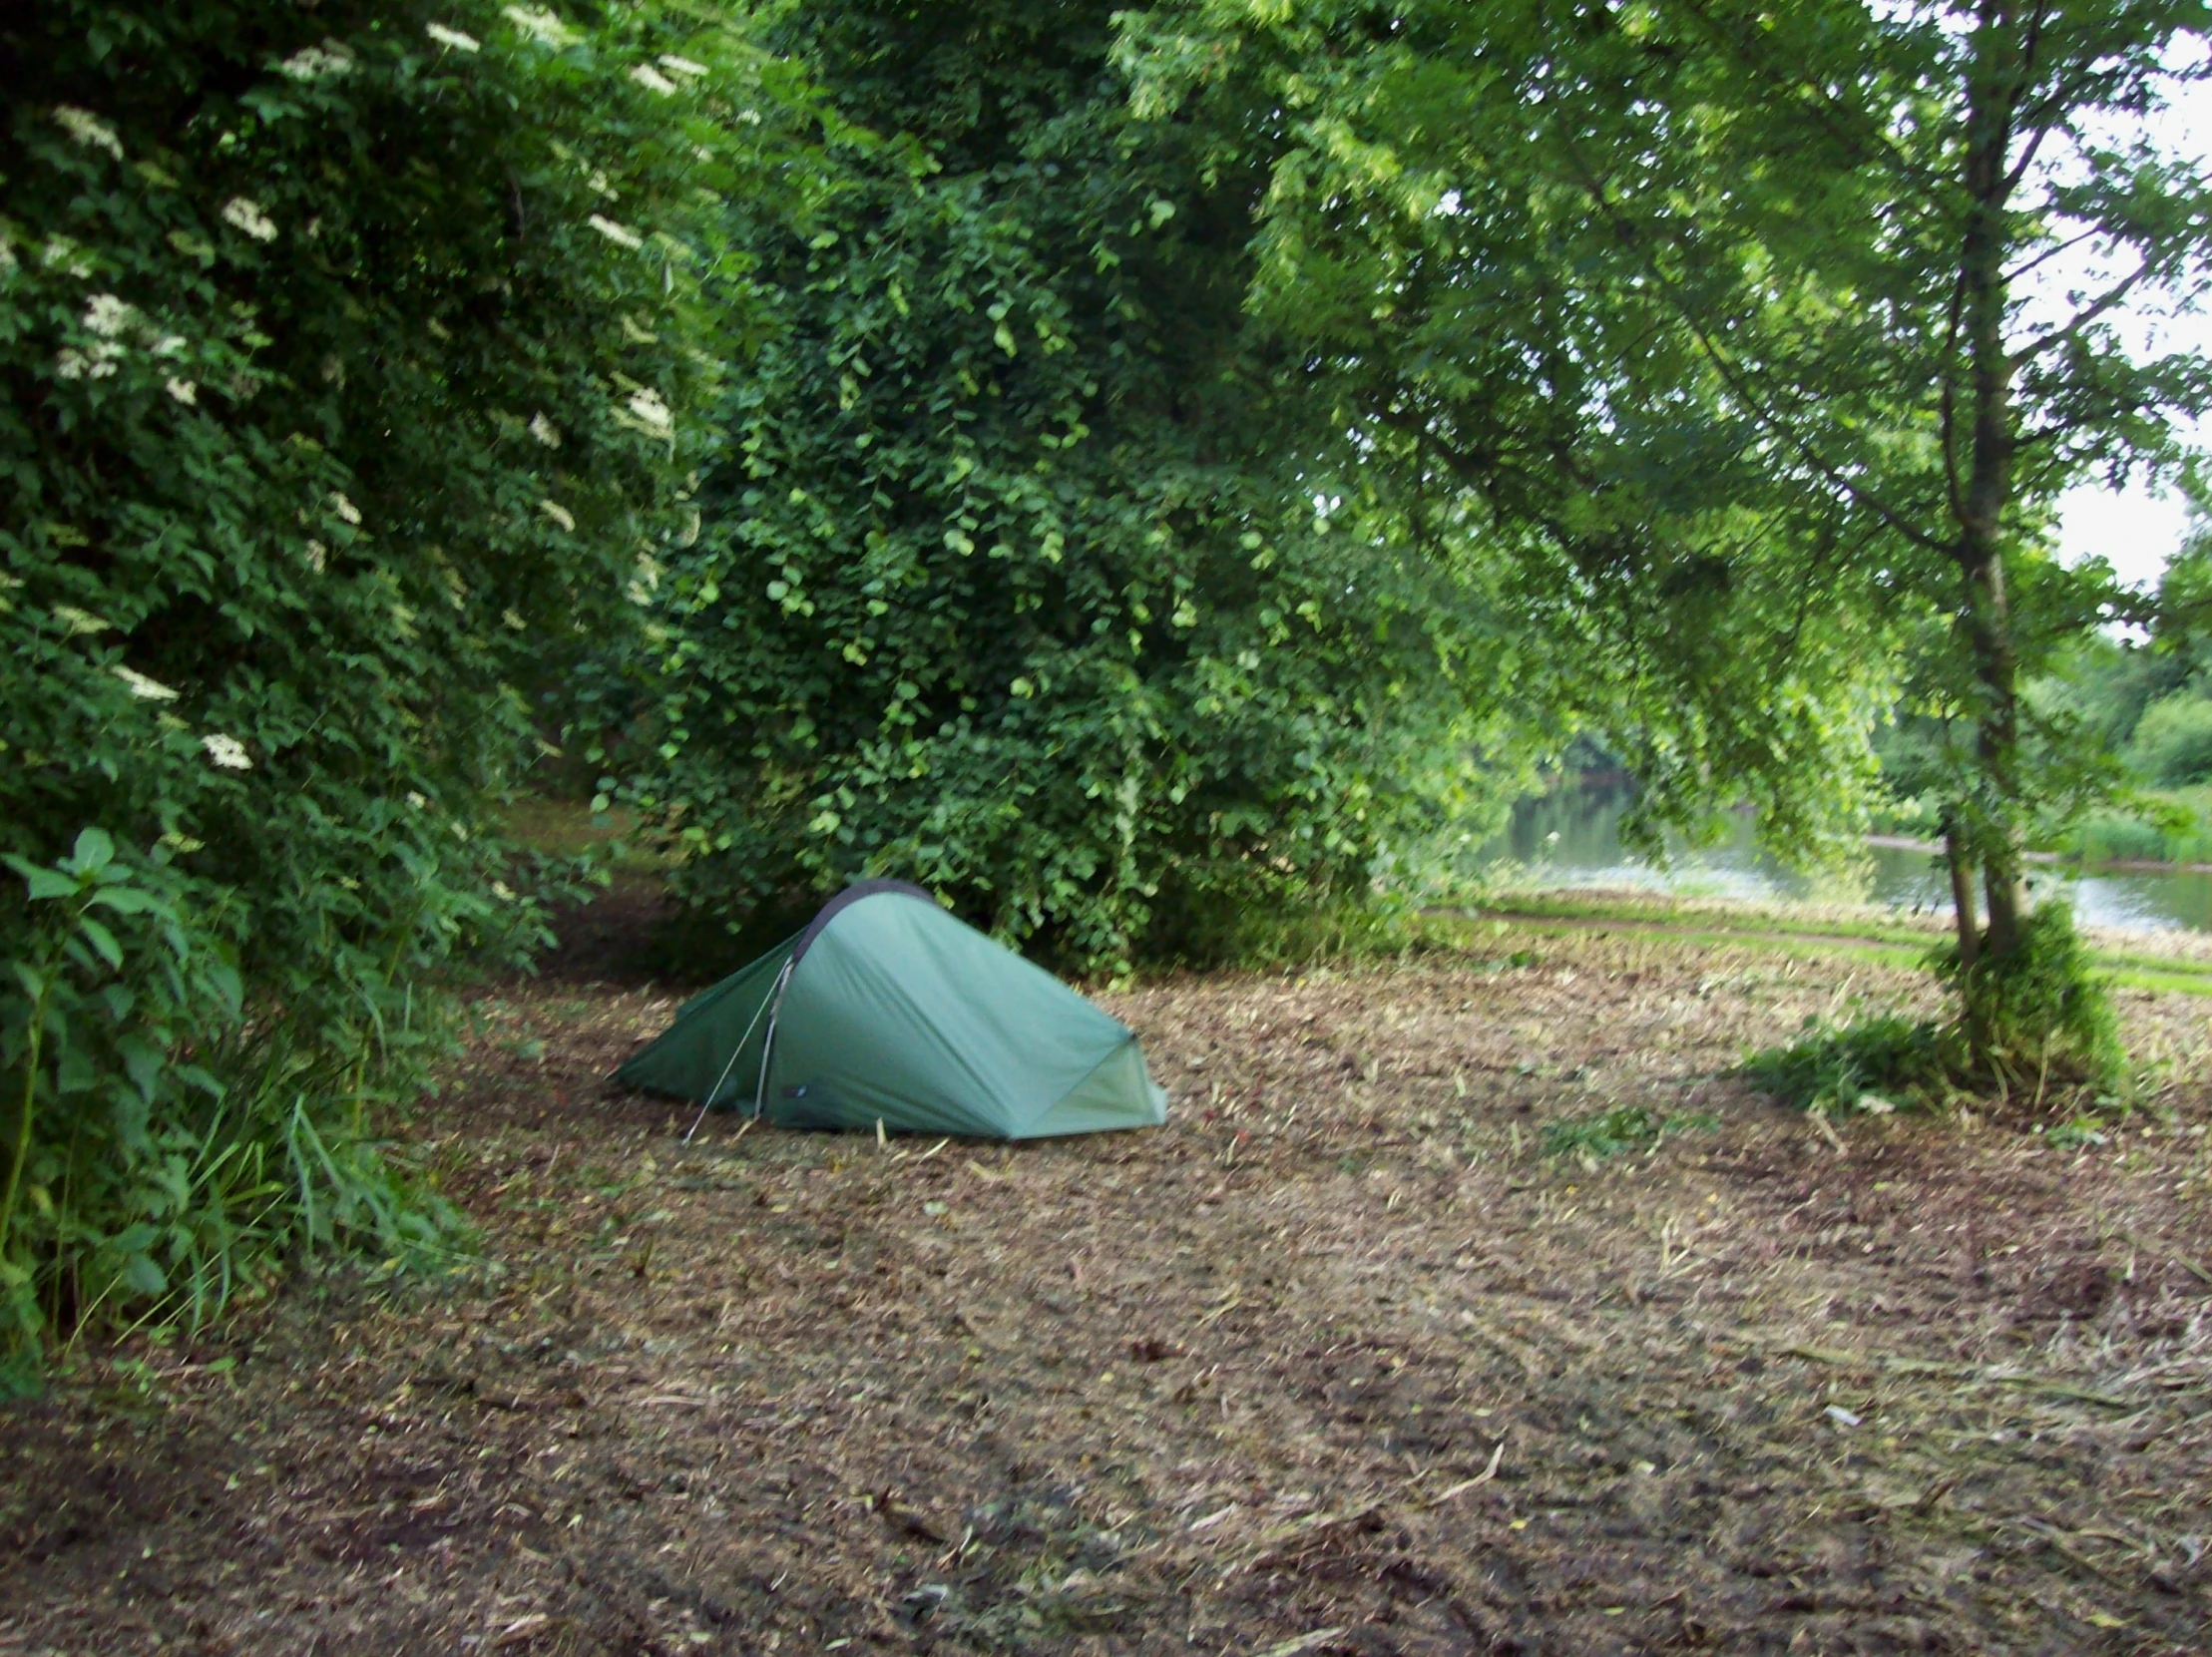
[(348, 351)]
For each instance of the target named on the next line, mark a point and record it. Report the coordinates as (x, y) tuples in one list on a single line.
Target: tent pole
[(708, 1104), (773, 1004)]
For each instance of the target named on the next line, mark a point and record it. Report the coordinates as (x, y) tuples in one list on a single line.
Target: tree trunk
[(1987, 620), (1962, 895)]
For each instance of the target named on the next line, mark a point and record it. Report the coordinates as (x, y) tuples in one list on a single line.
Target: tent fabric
[(888, 1008)]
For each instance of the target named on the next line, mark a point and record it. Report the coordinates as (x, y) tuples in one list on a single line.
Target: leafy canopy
[(1019, 576)]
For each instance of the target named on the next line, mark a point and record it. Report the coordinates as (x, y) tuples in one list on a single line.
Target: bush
[(1875, 1063), (2172, 745), (2036, 1017), (2040, 1014), (995, 593), (346, 348)]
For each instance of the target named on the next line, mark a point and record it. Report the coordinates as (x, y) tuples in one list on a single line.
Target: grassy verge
[(570, 828), (2161, 962)]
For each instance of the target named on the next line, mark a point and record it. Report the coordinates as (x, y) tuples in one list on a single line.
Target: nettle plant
[(346, 352)]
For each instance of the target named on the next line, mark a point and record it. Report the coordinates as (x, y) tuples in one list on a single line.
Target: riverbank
[(2174, 961), (1570, 839), (2071, 860), (1373, 1349)]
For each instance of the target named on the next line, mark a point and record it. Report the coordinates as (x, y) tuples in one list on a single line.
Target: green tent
[(887, 1009)]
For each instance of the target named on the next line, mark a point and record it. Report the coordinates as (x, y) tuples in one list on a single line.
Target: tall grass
[(147, 1180)]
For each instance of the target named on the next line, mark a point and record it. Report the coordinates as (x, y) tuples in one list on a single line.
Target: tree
[(1844, 278), (1013, 577)]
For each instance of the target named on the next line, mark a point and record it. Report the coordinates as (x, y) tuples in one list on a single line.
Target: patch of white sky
[(2138, 526), (2141, 525)]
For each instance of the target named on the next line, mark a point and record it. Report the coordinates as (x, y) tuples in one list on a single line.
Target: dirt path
[(1338, 1362)]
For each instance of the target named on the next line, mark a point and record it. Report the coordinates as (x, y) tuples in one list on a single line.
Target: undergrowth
[(1625, 1127), (166, 1151), (1874, 1064), (2032, 1022)]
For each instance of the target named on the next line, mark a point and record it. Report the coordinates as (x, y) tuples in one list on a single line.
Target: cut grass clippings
[(1339, 1360)]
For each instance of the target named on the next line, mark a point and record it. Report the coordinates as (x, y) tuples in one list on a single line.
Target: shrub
[(2172, 745), (2038, 1014), (1880, 1062), (2035, 1017), (1001, 588), (345, 349)]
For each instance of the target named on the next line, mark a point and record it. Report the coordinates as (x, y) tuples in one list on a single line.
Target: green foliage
[(1875, 1064), (2040, 1012), (2077, 1133), (136, 1177), (2172, 743), (1013, 581), (1598, 285), (1433, 252), (2036, 1018), (1278, 929), (2168, 827), (1607, 1133), (347, 349)]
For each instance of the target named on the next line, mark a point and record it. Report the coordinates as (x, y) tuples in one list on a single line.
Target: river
[(1571, 838)]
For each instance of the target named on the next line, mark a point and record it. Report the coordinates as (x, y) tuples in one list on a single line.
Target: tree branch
[(1751, 402), (1870, 141), (2104, 303), (2047, 254)]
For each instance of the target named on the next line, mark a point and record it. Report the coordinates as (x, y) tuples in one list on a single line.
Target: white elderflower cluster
[(648, 414), (184, 390), (540, 25), (58, 251), (319, 557), (545, 431), (652, 80), (95, 364), (227, 751), (558, 513), (146, 689), (452, 38), (620, 234), (317, 63), (88, 128), (681, 66), (108, 317), (344, 507), (247, 215)]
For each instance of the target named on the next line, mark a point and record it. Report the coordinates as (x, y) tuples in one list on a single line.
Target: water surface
[(1570, 837)]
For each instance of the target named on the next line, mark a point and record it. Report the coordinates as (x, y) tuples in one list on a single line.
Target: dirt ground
[(1339, 1361)]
